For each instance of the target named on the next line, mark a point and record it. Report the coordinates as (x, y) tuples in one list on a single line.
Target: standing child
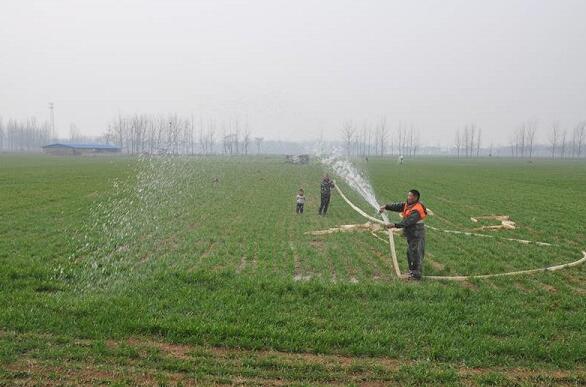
[(300, 201)]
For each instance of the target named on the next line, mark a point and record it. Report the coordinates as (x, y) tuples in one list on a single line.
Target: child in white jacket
[(300, 201)]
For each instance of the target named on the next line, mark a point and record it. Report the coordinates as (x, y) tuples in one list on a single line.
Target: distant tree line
[(467, 142), (523, 143), (379, 139), (565, 145), (522, 140), (561, 142), (24, 136), (174, 134)]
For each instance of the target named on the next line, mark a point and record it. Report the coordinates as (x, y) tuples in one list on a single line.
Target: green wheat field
[(177, 270)]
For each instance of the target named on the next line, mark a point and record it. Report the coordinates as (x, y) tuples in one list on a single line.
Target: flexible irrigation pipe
[(391, 238), (468, 233), (357, 209), (459, 277), (467, 277), (393, 253)]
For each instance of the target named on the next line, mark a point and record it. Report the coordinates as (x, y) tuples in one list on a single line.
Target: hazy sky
[(295, 68)]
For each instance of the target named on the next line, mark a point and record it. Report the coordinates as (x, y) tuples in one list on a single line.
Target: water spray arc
[(358, 182)]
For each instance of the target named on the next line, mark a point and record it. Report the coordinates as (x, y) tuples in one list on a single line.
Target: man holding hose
[(325, 187), (413, 213)]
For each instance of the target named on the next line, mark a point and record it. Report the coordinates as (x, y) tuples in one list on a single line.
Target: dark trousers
[(416, 249), (299, 208), (325, 202)]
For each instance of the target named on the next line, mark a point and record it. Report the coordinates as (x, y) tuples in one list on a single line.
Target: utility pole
[(51, 109)]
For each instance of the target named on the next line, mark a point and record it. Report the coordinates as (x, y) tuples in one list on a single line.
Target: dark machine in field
[(297, 159), (60, 149)]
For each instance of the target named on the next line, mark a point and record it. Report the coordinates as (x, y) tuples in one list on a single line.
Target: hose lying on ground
[(459, 277), (391, 239)]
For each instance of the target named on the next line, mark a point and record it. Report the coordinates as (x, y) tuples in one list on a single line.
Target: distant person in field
[(413, 213), (326, 190), (300, 201)]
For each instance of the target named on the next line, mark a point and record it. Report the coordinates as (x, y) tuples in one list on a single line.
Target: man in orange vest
[(413, 213)]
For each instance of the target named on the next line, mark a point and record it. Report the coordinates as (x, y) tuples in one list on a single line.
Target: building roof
[(82, 146)]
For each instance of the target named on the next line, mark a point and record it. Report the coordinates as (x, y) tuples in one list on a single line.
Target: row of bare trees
[(142, 133), (561, 142), (24, 136), (468, 141), (564, 144), (523, 140), (378, 139)]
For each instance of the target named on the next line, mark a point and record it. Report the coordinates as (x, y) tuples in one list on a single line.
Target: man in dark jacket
[(326, 187), (413, 213)]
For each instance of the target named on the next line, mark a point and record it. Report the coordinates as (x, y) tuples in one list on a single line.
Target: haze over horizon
[(294, 70)]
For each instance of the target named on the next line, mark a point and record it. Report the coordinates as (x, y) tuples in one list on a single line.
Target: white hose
[(357, 209), (395, 262), (460, 277)]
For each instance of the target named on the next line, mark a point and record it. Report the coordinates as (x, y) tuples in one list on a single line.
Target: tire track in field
[(297, 269), (247, 264), (318, 246)]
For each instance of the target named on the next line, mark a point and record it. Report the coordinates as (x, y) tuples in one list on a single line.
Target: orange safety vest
[(408, 209)]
